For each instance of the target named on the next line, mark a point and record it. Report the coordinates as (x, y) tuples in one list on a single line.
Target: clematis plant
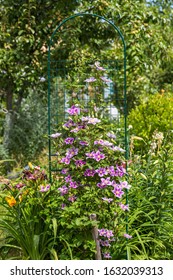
[(91, 176)]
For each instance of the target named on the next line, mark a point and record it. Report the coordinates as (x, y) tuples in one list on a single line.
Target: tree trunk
[(8, 123)]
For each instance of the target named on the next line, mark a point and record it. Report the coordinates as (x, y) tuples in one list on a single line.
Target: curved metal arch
[(92, 15)]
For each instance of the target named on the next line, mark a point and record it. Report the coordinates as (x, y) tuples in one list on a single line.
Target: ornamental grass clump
[(91, 177)]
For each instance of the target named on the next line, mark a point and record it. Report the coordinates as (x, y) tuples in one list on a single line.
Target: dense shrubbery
[(153, 115)]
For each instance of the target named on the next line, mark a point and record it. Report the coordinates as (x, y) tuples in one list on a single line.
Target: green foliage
[(5, 162), (153, 115), (26, 28), (151, 215), (22, 223), (66, 233), (28, 134), (81, 189), (43, 221), (24, 34)]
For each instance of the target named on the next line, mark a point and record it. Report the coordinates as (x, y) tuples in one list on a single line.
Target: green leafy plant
[(151, 215), (153, 114), (22, 222), (91, 177)]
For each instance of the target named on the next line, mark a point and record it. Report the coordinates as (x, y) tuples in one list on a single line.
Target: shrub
[(153, 114)]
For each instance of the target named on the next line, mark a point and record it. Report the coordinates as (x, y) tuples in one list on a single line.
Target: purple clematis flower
[(55, 135), (72, 198), (101, 171), (98, 67), (105, 243), (107, 199), (120, 171), (125, 185), (127, 236), (115, 148), (64, 171), (63, 190), (89, 172), (71, 152), (85, 119), (76, 129), (101, 186), (107, 255), (106, 80), (118, 192), (90, 80), (69, 123), (74, 110), (106, 181), (111, 171), (83, 143), (68, 179), (63, 206), (105, 232), (19, 185), (69, 140), (102, 232), (93, 121), (90, 155), (124, 207), (73, 185), (65, 160), (80, 162), (111, 135), (99, 142), (44, 188), (98, 156), (103, 143)]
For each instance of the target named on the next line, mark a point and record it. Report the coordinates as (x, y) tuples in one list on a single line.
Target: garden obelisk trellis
[(55, 90)]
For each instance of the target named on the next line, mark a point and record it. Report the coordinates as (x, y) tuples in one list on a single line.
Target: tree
[(25, 29)]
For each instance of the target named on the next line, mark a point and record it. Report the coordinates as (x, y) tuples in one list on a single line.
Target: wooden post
[(95, 235)]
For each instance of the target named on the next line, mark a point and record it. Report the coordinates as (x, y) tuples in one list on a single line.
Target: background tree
[(26, 27)]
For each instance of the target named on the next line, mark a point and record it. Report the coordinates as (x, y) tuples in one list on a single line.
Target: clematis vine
[(91, 164)]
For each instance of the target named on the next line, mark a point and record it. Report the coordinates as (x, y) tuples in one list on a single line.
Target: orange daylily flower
[(11, 201)]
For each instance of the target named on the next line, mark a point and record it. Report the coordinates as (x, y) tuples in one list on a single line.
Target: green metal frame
[(124, 87)]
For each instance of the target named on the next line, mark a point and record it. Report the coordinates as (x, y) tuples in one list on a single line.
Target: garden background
[(33, 225)]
